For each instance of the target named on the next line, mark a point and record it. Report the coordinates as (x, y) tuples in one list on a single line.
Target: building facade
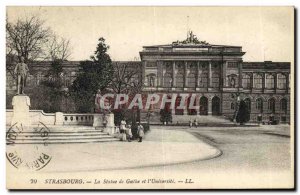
[(215, 73), (218, 76)]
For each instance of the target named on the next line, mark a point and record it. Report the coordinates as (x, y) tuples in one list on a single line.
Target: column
[(287, 77), (275, 81), (159, 73), (209, 106), (224, 84), (173, 74), (264, 81), (209, 75), (198, 76), (251, 81), (144, 79), (240, 75), (185, 84)]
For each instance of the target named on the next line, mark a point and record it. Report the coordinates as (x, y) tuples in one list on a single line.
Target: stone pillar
[(110, 125), (173, 74), (275, 81), (287, 82), (209, 107), (98, 120), (59, 118), (159, 73), (223, 73), (252, 81), (185, 84), (209, 75), (144, 79), (263, 81), (240, 77), (21, 115), (198, 74)]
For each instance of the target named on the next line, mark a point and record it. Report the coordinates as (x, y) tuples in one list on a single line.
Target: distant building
[(216, 73)]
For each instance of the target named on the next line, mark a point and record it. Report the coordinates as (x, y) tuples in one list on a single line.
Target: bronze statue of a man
[(21, 71)]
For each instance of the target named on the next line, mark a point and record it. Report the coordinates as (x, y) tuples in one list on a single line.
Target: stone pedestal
[(21, 115), (107, 122), (98, 120), (110, 125), (59, 118)]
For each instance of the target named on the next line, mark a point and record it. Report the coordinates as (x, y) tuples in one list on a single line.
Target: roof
[(266, 65)]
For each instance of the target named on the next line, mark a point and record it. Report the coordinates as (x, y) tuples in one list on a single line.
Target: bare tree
[(126, 79), (26, 38), (58, 48)]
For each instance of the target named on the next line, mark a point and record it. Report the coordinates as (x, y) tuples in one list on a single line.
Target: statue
[(21, 71)]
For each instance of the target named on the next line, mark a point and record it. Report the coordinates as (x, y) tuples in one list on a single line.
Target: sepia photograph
[(150, 97)]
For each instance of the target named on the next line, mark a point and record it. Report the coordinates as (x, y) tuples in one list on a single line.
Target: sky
[(265, 33)]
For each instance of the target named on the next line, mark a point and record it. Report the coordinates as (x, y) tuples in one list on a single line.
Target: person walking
[(129, 133), (122, 130), (191, 123), (196, 123), (140, 132)]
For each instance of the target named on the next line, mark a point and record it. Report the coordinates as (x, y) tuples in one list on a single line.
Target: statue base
[(106, 122), (21, 115)]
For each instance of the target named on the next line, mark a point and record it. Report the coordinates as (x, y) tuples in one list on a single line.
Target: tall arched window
[(281, 81), (257, 81), (192, 80), (246, 81), (283, 105), (248, 103), (259, 105), (271, 105), (203, 80), (167, 80), (179, 80), (270, 80), (215, 80)]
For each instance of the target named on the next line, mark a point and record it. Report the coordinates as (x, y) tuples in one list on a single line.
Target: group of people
[(126, 133), (191, 124)]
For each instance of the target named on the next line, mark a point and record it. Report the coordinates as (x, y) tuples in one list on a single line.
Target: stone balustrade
[(58, 118), (76, 119)]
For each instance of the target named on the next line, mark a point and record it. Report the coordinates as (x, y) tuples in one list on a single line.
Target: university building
[(218, 75), (215, 73)]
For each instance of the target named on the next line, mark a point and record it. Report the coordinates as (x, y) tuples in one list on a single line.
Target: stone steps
[(59, 135)]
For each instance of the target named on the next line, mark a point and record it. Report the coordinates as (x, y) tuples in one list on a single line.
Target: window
[(246, 81), (179, 65), (203, 80), (151, 64), (270, 81), (283, 105), (248, 104), (257, 81), (167, 80), (151, 80), (259, 105), (232, 65), (281, 81), (232, 80), (179, 80), (192, 80), (215, 64), (203, 65), (271, 105), (215, 80)]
